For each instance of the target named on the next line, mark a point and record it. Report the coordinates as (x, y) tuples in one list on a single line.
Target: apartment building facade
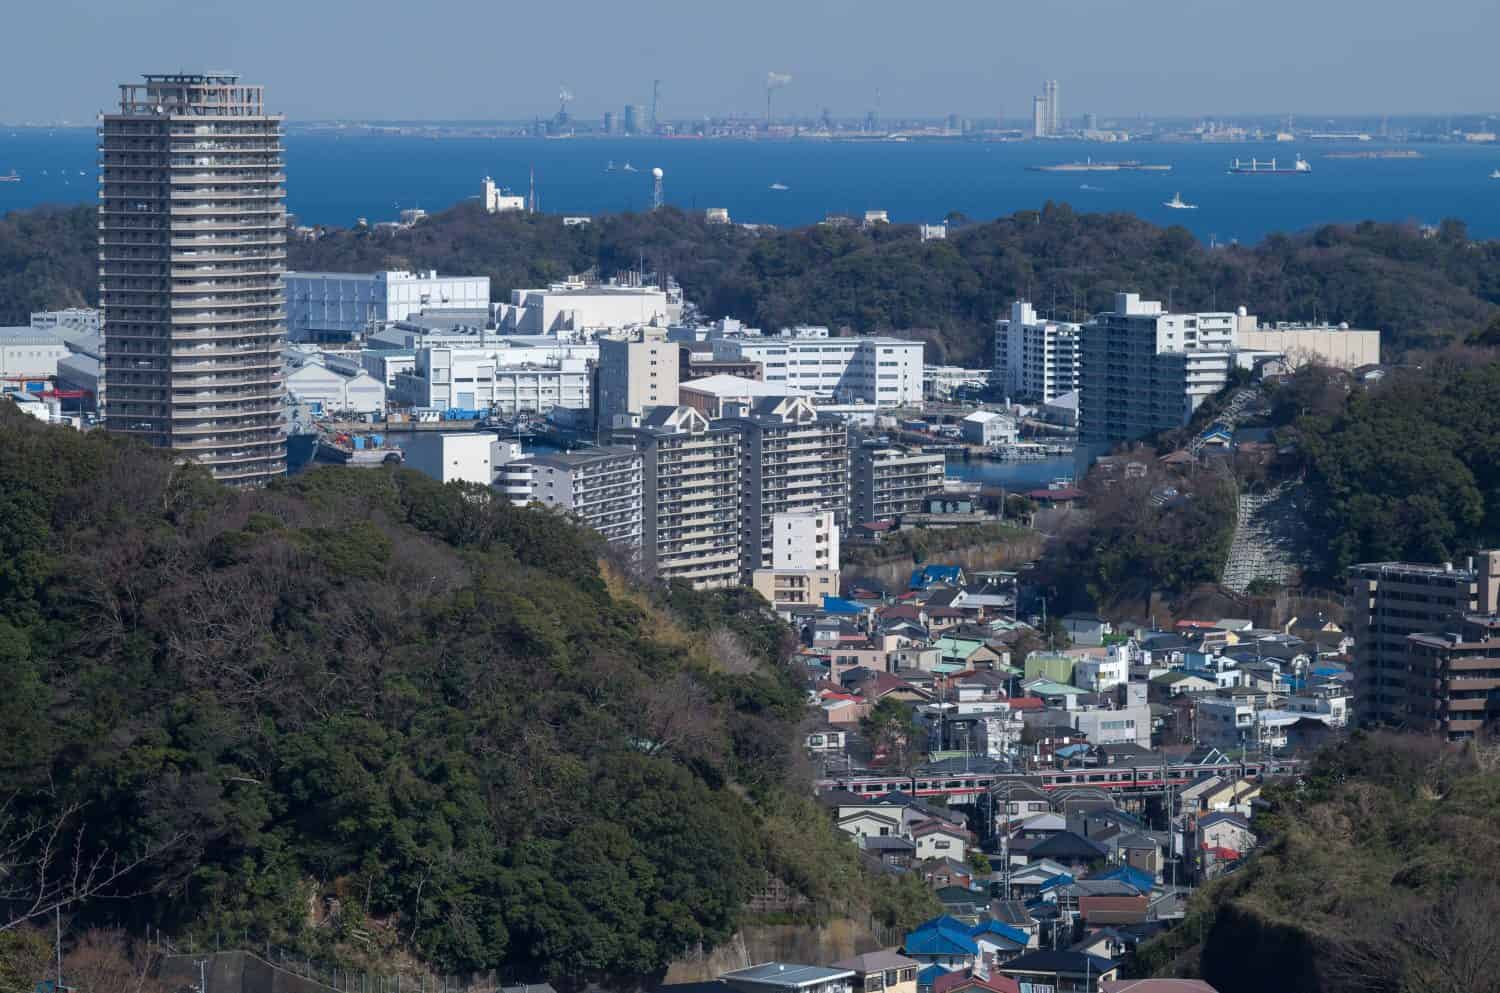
[(1146, 370), (601, 488), (192, 253), (1390, 601), (637, 371), (887, 481), (691, 520), (1036, 360), (887, 372), (792, 460), (804, 560), (1453, 678)]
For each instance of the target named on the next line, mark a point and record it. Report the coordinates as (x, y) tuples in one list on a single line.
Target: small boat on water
[(1495, 174), (780, 187), (1177, 203), (630, 168), (11, 177), (610, 166)]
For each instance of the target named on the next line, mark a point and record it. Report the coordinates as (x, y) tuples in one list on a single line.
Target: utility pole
[(57, 943), (202, 975)]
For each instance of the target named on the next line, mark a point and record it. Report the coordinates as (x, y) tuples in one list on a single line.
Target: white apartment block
[(336, 306), (473, 379), (600, 488), (793, 461), (459, 456), (804, 561), (1145, 370), (691, 506), (887, 372), (575, 308), (1036, 360), (886, 482), (637, 371)]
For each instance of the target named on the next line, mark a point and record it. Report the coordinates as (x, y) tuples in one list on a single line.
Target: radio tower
[(656, 194)]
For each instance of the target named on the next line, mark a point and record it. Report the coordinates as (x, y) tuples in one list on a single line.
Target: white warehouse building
[(887, 372), (473, 379), (336, 306), (573, 308)]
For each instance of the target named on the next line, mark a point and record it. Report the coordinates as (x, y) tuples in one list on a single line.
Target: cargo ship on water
[(1089, 165), (1256, 167)]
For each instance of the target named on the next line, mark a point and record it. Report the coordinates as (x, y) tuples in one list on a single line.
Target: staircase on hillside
[(1266, 541)]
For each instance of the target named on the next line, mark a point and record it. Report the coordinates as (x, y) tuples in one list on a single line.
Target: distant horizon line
[(1023, 123)]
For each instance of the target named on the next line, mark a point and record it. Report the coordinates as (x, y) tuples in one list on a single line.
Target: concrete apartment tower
[(192, 249)]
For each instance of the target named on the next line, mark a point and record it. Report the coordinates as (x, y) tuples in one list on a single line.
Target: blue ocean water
[(334, 179)]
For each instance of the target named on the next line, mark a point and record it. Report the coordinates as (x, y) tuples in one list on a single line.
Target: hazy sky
[(469, 59)]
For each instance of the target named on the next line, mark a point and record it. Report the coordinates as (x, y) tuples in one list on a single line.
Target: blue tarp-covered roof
[(1013, 935), (927, 575), (940, 941), (1131, 876), (838, 605)]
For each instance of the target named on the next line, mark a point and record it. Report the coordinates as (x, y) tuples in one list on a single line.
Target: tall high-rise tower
[(1054, 108), (192, 250)]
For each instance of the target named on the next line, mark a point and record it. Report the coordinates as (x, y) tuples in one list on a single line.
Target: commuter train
[(1122, 779)]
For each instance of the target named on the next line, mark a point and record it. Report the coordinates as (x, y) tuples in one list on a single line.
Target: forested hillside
[(1377, 874), (1404, 469), (1422, 291), (362, 714)]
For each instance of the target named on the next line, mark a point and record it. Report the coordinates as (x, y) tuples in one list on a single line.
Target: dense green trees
[(1422, 291), (1408, 469), (361, 703)]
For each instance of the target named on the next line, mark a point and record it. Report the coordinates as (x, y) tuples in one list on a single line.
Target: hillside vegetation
[(1406, 469), (1422, 291), (1379, 873), (361, 714)]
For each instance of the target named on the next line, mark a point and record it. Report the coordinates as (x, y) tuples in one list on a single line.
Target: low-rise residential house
[(998, 943), (889, 850), (959, 982), (826, 739), (1103, 911), (936, 839), (881, 972), (947, 871), (1086, 629), (928, 975), (1233, 796), (1073, 851), (787, 977), (1063, 971), (942, 944), (1224, 829), (869, 824)]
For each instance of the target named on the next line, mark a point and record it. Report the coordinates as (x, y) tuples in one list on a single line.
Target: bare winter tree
[(46, 864), (109, 962), (1448, 945), (729, 651)]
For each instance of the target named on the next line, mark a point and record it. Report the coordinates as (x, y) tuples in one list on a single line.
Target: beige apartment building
[(637, 371), (1390, 601), (691, 494), (192, 251), (793, 460), (887, 481)]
